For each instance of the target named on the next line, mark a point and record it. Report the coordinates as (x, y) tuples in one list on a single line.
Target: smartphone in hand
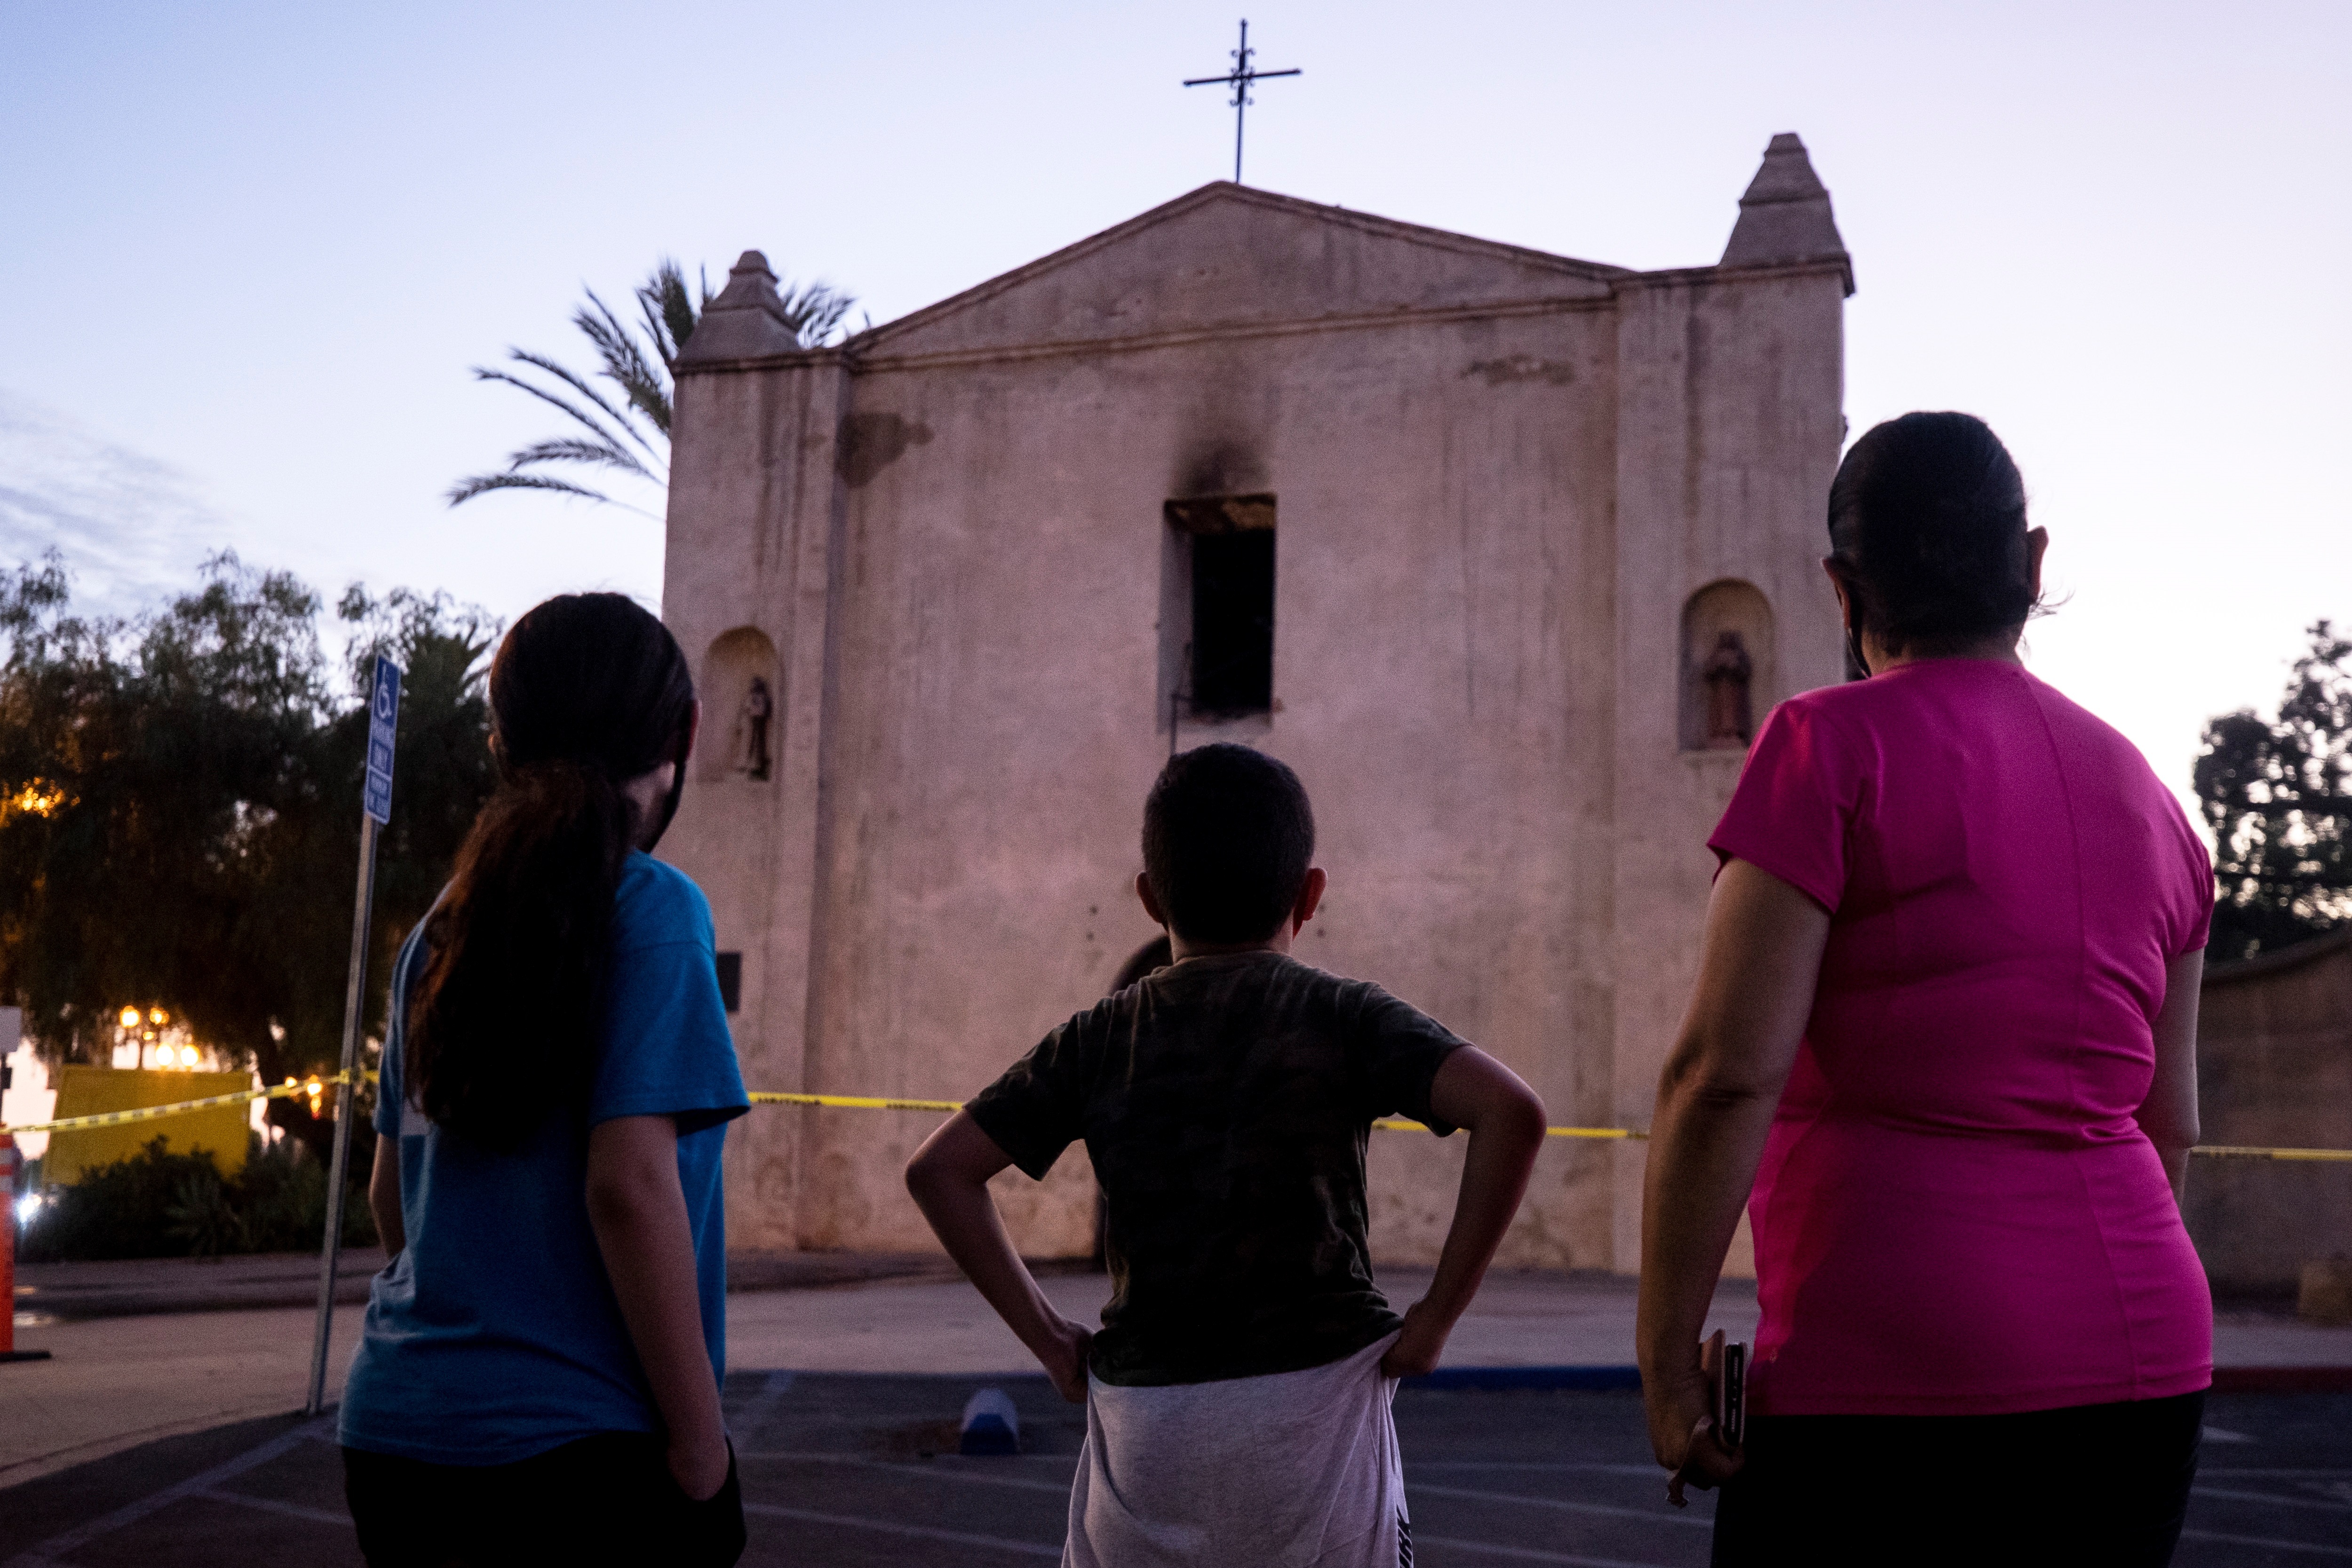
[(1731, 1393)]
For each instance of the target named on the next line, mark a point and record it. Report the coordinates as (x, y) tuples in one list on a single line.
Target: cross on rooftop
[(1240, 79)]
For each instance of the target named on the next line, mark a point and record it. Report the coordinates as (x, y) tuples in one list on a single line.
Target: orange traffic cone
[(9, 1160)]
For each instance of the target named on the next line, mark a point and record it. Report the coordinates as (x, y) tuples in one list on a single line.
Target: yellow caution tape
[(855, 1102), (150, 1112), (2227, 1152), (1549, 1131), (949, 1106)]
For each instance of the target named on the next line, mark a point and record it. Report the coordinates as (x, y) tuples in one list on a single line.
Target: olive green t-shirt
[(1225, 1101)]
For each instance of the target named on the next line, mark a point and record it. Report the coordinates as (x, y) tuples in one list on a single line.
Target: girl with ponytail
[(538, 1380)]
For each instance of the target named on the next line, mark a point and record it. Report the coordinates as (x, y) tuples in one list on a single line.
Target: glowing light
[(159, 1017), (130, 1018), (28, 1207), (38, 798), (188, 1056)]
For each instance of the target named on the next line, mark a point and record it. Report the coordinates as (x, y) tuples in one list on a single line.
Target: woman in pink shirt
[(1943, 1045)]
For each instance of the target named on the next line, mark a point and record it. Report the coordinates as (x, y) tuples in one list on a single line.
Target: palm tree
[(630, 432)]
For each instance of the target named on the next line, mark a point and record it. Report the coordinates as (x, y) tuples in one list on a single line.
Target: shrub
[(158, 1203)]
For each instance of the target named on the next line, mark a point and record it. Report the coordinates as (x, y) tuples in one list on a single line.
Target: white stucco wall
[(1499, 475)]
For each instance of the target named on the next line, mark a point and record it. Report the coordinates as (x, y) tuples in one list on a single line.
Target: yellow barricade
[(105, 1101)]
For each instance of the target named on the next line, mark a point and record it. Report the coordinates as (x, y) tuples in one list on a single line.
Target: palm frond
[(566, 449), (641, 359), (580, 386), (481, 484), (670, 315), (626, 364), (814, 311), (553, 400)]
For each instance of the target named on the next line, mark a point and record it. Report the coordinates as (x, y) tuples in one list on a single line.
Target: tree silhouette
[(2278, 796)]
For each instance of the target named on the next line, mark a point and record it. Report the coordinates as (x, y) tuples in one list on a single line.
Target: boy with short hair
[(1237, 1394)]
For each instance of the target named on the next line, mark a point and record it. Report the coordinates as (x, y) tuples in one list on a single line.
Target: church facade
[(1505, 552)]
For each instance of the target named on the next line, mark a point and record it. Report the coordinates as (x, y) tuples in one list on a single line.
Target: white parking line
[(57, 1546), (1526, 1554), (762, 1404), (2272, 1497), (1547, 1465), (924, 1533), (1647, 1515), (2264, 1542), (271, 1505), (917, 1472)]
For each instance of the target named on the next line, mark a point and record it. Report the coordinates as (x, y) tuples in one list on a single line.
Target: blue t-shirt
[(496, 1335)]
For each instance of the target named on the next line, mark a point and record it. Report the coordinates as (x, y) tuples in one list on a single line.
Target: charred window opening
[(1229, 666)]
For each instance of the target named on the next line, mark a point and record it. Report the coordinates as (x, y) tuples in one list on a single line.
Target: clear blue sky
[(249, 250)]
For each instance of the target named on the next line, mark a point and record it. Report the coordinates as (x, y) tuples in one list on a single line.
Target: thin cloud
[(132, 528)]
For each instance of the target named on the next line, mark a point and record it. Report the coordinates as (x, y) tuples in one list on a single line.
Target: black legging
[(2106, 1484), (603, 1499)]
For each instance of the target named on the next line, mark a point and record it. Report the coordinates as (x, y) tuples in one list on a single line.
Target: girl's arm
[(2168, 1115), (638, 1211), (1758, 968), (384, 1196), (949, 1178), (1505, 1122)]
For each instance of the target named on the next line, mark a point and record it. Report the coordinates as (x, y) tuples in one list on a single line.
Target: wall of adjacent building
[(2273, 1069)]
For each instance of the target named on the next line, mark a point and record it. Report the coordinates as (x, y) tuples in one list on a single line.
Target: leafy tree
[(629, 432), (2278, 796), (181, 804), (150, 764)]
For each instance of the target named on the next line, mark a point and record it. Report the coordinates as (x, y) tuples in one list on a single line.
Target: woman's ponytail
[(587, 692)]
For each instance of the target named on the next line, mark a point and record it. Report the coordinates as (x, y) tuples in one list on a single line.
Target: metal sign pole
[(383, 715)]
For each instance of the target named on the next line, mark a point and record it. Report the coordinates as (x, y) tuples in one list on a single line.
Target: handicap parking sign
[(383, 721)]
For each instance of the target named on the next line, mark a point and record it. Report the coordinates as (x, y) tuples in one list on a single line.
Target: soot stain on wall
[(872, 442)]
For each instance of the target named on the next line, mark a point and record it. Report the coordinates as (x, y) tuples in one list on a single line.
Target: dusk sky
[(247, 252)]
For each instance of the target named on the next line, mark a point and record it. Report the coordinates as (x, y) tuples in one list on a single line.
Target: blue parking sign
[(384, 723)]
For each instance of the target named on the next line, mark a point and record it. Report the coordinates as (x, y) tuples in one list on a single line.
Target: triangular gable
[(1226, 257)]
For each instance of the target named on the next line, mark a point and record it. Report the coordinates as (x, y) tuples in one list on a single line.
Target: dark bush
[(158, 1203)]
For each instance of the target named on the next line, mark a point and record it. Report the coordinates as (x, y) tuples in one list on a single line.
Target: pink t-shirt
[(1957, 1213)]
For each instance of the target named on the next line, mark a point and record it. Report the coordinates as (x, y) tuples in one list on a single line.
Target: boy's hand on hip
[(1419, 1344), (1065, 1360)]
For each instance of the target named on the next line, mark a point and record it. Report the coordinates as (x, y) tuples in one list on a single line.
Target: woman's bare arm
[(384, 1196), (949, 1178), (1506, 1123), (1758, 969), (2168, 1115), (638, 1210)]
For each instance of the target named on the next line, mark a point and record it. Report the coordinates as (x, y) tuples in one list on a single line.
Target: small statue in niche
[(1730, 720), (751, 730)]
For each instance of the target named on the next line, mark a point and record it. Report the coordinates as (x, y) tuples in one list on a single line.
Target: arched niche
[(1727, 656), (742, 709)]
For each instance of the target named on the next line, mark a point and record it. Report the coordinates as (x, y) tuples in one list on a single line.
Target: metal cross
[(1240, 79)]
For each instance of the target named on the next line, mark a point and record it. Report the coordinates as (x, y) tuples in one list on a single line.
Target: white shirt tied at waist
[(1295, 1469)]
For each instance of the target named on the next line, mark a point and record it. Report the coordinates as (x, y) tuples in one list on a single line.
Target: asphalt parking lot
[(858, 1469)]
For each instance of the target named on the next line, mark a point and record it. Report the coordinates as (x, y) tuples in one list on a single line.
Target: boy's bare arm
[(1506, 1123), (949, 1178)]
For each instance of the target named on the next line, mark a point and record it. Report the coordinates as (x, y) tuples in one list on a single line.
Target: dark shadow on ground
[(846, 1470)]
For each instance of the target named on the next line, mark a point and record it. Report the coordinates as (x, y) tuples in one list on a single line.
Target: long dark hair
[(587, 691), (1928, 532)]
